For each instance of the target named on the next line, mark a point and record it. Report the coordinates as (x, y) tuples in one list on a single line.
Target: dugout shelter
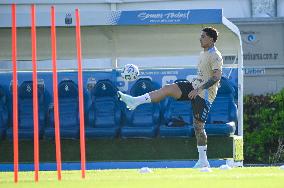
[(164, 44)]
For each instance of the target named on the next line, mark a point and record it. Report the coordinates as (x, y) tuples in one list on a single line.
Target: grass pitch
[(159, 178)]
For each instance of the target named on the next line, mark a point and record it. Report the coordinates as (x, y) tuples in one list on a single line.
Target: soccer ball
[(130, 72)]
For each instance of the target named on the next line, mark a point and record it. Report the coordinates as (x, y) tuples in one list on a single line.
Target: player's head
[(208, 37)]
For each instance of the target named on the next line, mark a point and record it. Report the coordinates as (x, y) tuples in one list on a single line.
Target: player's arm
[(214, 79)]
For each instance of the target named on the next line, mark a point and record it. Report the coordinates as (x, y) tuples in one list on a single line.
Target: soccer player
[(201, 91)]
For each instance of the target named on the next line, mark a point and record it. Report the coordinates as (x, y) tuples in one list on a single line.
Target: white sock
[(202, 153), (143, 98)]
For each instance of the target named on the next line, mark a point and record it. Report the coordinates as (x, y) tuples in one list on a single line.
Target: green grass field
[(164, 178)]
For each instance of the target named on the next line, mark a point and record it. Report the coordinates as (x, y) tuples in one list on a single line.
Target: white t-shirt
[(208, 61)]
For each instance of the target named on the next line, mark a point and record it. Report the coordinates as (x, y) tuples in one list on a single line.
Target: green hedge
[(264, 128)]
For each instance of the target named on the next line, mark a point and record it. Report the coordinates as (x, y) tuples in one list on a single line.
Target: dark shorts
[(200, 106)]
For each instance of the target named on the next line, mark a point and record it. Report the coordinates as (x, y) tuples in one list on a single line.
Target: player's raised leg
[(171, 90)]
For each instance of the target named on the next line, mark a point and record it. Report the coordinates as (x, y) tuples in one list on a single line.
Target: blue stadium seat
[(177, 118), (222, 117), (145, 119), (68, 111), (104, 114), (25, 111), (3, 113)]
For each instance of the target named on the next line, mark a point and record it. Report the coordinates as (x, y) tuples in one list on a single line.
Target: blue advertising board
[(149, 17)]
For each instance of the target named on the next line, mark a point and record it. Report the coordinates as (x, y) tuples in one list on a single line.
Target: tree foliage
[(264, 128)]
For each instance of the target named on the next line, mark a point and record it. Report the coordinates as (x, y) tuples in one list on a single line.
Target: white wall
[(280, 8), (271, 82), (116, 41)]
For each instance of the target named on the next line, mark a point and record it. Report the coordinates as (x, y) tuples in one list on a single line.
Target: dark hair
[(211, 32)]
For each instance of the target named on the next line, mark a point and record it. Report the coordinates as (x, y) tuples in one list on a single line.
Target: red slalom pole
[(55, 94), (15, 94), (81, 97), (35, 99)]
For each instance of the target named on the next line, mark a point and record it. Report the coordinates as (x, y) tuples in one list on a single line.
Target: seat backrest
[(25, 104), (175, 111), (67, 89), (68, 104), (179, 112), (3, 109), (142, 86), (223, 108), (104, 88), (146, 114), (106, 104), (3, 96)]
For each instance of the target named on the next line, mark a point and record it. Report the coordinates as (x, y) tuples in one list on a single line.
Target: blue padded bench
[(25, 111), (68, 111), (222, 117), (104, 115), (145, 119), (177, 119), (3, 113)]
